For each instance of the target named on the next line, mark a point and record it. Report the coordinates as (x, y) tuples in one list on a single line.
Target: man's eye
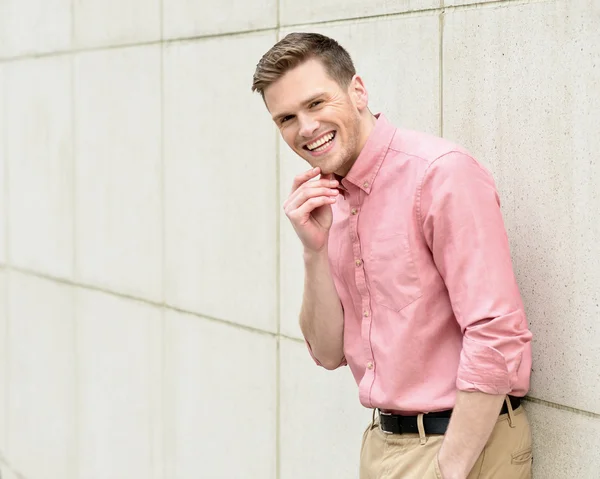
[(286, 118), (315, 103)]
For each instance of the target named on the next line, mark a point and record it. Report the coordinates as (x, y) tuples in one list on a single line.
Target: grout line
[(496, 3), (4, 153), (72, 7), (278, 305), (74, 264), (6, 214), (278, 284), (157, 304), (561, 407), (76, 381), (441, 72), (74, 224), (162, 395), (7, 363)]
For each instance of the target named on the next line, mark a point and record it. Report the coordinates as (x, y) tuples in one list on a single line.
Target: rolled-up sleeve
[(459, 211)]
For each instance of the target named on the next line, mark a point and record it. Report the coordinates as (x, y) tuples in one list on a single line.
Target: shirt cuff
[(482, 369)]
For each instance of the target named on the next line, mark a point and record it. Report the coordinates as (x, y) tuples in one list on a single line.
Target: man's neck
[(367, 124)]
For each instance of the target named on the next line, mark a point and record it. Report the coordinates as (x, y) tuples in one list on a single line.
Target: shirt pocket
[(393, 273)]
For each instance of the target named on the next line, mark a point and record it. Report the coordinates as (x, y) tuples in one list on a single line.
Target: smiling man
[(408, 275)]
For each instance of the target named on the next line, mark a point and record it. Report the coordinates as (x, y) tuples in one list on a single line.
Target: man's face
[(318, 119)]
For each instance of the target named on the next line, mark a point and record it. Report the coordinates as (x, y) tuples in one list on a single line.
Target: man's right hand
[(308, 207)]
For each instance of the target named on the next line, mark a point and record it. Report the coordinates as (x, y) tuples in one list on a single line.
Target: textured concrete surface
[(183, 18), (220, 183), (564, 443), (42, 371), (312, 11), (39, 153), (34, 26), (118, 170), (115, 22), (220, 400), (528, 109), (119, 368), (320, 438)]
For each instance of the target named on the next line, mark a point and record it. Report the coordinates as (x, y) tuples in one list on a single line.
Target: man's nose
[(308, 126)]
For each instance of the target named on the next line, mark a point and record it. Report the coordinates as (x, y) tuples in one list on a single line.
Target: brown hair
[(295, 49)]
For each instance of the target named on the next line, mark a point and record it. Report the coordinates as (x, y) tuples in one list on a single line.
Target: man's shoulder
[(424, 146)]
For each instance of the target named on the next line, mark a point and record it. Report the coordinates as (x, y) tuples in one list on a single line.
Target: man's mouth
[(321, 144)]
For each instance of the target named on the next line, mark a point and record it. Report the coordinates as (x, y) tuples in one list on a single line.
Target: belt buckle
[(381, 413)]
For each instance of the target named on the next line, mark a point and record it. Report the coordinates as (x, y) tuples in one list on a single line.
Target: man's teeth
[(320, 144)]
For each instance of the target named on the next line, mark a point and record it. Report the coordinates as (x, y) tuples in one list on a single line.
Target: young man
[(408, 275)]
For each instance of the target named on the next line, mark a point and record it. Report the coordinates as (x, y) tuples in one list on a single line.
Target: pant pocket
[(524, 456)]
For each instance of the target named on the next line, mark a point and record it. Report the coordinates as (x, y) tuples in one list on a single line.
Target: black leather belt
[(433, 423)]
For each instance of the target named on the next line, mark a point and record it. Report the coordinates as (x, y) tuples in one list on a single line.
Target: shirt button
[(354, 211), (366, 184), (358, 262), (370, 365), (366, 314)]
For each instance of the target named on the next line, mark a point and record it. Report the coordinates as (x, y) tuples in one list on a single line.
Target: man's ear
[(358, 92)]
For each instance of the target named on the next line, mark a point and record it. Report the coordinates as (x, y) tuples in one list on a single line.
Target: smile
[(321, 144)]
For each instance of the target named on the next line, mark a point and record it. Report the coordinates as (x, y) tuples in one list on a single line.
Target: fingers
[(301, 195), (304, 177), (301, 215)]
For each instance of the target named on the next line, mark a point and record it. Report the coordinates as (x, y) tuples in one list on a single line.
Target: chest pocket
[(393, 276)]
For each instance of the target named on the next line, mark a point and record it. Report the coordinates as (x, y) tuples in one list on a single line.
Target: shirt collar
[(366, 166)]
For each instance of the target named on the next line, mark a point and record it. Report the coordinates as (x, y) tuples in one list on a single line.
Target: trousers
[(506, 455)]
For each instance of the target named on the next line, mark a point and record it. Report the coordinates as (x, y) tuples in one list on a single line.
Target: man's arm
[(473, 419), (463, 226), (321, 317), (308, 208)]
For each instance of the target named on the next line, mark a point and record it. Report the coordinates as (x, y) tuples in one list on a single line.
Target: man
[(408, 275)]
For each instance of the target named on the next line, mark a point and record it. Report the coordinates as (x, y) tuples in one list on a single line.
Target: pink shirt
[(421, 262)]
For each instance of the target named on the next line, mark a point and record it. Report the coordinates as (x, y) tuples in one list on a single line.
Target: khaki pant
[(507, 454)]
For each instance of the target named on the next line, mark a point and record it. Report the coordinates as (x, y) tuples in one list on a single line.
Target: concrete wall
[(149, 284)]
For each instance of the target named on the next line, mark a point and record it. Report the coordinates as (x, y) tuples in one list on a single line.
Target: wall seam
[(75, 265), (441, 72), (162, 409), (561, 407), (5, 149), (278, 284)]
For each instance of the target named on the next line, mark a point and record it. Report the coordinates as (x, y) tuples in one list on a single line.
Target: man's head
[(310, 87)]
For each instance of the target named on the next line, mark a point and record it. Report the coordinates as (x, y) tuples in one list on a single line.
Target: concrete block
[(119, 354), (34, 26), (41, 423), (527, 108), (297, 13), (402, 77), (320, 437), (220, 400), (220, 183), (183, 18), (563, 443), (115, 22), (39, 129), (118, 165)]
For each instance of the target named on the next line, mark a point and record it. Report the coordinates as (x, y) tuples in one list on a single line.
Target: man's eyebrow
[(305, 102)]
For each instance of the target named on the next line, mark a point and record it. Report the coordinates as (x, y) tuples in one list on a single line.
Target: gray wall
[(149, 281)]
